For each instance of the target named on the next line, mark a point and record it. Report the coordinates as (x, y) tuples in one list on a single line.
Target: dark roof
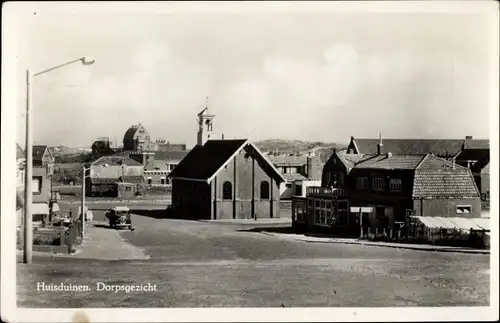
[(444, 183), (479, 157), (19, 152), (392, 162), (203, 161), (115, 160), (477, 143), (38, 152), (440, 147), (170, 155)]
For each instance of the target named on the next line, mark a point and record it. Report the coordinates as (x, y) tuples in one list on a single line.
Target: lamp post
[(28, 190)]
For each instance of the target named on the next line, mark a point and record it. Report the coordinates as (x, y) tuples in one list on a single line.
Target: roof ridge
[(422, 161)]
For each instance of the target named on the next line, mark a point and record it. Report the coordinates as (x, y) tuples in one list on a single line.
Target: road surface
[(199, 264)]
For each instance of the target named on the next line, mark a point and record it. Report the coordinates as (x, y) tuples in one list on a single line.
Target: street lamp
[(28, 191)]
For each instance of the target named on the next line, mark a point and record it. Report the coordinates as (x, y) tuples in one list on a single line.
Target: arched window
[(264, 190), (227, 191)]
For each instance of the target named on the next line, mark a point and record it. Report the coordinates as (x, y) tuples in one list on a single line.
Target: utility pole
[(83, 202), (28, 178)]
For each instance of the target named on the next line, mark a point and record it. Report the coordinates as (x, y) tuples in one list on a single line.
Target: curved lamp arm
[(83, 60)]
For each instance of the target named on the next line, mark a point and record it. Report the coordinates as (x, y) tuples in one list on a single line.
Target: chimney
[(380, 144), (222, 136), (389, 155)]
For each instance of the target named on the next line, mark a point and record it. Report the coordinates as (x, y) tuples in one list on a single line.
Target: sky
[(291, 75)]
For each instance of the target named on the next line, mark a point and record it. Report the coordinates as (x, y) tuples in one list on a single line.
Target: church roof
[(203, 163)]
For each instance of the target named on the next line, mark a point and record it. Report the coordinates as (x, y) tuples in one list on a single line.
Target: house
[(157, 168), (115, 176), (445, 148), (379, 192), (42, 155), (299, 172), (224, 179), (478, 160), (137, 138)]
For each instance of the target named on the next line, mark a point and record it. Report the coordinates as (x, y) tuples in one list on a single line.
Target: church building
[(224, 179)]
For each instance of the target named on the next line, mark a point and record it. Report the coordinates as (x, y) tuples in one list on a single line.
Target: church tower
[(205, 125)]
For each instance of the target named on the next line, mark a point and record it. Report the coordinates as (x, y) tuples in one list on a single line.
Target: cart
[(119, 218)]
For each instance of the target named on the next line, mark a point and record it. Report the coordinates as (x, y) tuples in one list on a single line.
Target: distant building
[(163, 145), (299, 172), (115, 176), (137, 138), (102, 147), (157, 169), (224, 179)]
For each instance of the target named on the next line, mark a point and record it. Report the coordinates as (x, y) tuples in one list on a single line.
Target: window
[(285, 170), (395, 185), (464, 209), (288, 185), (362, 183), (317, 203), (37, 184), (341, 179), (264, 190), (162, 180), (378, 184), (293, 170), (227, 191)]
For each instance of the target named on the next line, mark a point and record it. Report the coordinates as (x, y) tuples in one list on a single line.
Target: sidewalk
[(423, 247), (106, 244)]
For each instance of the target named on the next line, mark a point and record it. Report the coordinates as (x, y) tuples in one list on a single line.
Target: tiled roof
[(203, 161), (434, 163), (19, 152), (440, 147), (115, 160), (349, 160), (38, 151), (288, 160), (444, 183), (392, 162)]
